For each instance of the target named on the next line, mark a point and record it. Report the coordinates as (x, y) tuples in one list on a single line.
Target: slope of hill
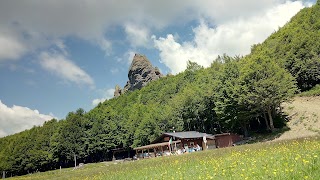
[(296, 159), (297, 47), (304, 119)]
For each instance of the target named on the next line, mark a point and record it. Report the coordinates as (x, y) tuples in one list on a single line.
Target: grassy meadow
[(294, 159)]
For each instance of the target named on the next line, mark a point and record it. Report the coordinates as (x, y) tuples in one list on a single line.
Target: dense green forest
[(296, 47), (235, 94)]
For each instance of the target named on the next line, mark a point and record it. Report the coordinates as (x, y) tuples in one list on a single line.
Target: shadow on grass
[(281, 127), (269, 136)]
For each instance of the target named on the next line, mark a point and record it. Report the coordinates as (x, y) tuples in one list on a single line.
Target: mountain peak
[(141, 72)]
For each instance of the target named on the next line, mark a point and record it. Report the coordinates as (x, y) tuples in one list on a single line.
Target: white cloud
[(97, 101), (233, 37), (17, 118), (129, 56), (105, 45), (64, 68), (114, 70), (10, 47), (221, 11), (126, 58), (107, 94), (173, 54), (62, 47), (38, 23), (137, 35)]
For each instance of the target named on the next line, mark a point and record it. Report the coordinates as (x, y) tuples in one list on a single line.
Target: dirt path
[(305, 120)]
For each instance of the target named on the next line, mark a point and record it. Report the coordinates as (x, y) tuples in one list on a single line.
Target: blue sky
[(58, 56)]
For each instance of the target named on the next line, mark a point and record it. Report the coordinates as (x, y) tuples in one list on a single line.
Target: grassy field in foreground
[(295, 159)]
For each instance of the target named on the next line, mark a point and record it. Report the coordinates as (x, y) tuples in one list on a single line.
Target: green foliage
[(296, 47), (248, 89), (315, 91), (29, 150), (227, 93), (71, 137), (264, 86), (265, 83)]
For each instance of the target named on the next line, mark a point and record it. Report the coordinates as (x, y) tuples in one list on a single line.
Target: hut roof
[(150, 146), (187, 134), (184, 135)]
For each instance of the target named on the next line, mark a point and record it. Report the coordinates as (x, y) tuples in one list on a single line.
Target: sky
[(57, 56)]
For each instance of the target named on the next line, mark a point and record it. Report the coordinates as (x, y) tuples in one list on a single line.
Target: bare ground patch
[(305, 117)]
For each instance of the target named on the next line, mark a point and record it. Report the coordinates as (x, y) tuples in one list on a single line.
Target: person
[(194, 148), (179, 151), (186, 148), (183, 149), (198, 147)]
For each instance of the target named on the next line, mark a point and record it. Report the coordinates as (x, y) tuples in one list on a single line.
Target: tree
[(192, 68), (296, 47), (71, 137), (265, 85), (230, 111)]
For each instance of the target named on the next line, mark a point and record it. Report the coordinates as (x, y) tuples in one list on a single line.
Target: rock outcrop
[(117, 91), (141, 72)]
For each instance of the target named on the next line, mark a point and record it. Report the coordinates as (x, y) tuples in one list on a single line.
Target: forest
[(235, 94)]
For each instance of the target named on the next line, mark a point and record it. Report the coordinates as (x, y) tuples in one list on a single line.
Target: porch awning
[(150, 146)]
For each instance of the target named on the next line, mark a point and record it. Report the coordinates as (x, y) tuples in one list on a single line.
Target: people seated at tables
[(198, 148), (186, 148)]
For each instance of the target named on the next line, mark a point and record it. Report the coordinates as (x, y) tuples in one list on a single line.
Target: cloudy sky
[(57, 56)]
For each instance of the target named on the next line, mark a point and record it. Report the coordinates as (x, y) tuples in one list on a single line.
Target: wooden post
[(75, 161), (3, 174), (142, 154), (175, 146), (113, 157), (60, 169), (128, 153)]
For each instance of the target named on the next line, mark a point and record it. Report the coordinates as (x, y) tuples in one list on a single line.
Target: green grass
[(295, 159), (315, 91)]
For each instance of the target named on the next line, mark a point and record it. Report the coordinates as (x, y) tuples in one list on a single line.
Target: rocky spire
[(141, 72), (117, 91)]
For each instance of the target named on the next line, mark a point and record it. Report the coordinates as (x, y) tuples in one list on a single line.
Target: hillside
[(305, 117), (296, 159), (296, 47), (235, 94)]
